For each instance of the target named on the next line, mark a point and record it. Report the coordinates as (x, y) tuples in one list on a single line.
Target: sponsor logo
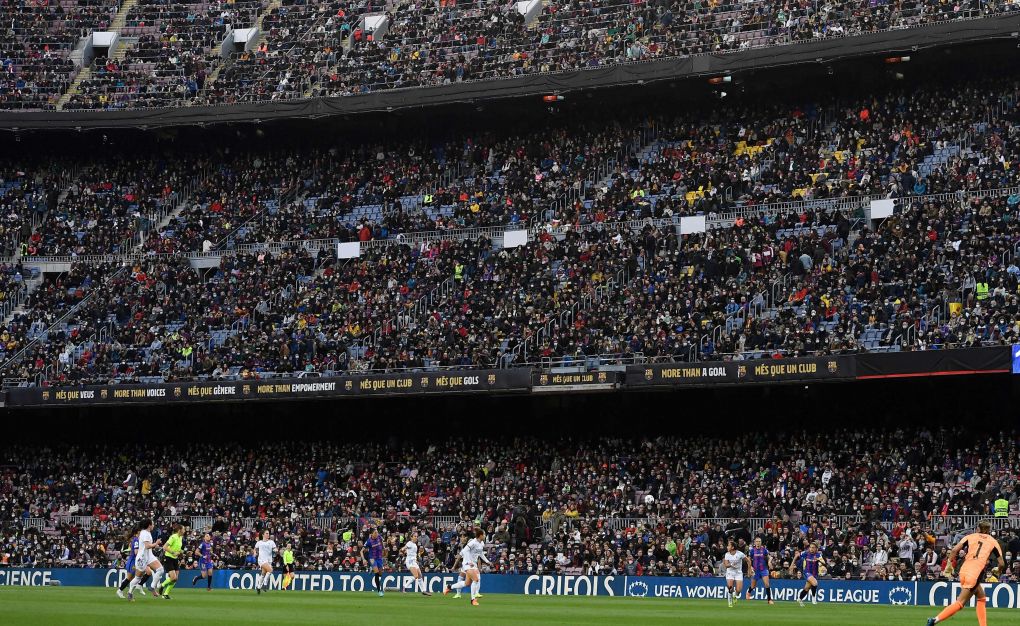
[(637, 589), (900, 596)]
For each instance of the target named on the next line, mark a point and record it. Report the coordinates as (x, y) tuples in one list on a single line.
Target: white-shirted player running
[(146, 560), (264, 551), (410, 552), (734, 561), (458, 564), (472, 552)]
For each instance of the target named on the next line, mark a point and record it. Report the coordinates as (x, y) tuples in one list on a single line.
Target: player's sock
[(460, 584), (156, 577), (378, 581), (144, 580), (258, 580), (982, 614), (768, 592), (124, 585), (208, 582), (803, 594), (949, 611), (419, 585), (134, 584), (167, 588), (474, 589), (194, 581)]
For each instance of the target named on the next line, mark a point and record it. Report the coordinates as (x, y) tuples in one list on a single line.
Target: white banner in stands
[(348, 250), (515, 238), (693, 224), (881, 209)]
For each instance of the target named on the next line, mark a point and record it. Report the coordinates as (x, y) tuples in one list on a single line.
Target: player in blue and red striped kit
[(760, 565), (205, 562), (374, 547), (809, 562)]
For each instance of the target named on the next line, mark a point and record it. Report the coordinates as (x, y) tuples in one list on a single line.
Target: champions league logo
[(900, 596), (637, 589)]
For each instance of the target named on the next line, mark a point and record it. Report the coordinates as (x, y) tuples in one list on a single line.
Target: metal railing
[(557, 522)]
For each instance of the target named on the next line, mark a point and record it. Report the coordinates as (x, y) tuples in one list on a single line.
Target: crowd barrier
[(940, 593)]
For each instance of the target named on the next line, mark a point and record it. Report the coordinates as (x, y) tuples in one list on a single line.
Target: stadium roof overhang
[(812, 51)]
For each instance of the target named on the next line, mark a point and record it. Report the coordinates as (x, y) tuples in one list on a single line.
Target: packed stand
[(25, 196), (426, 45), (298, 37), (327, 49), (940, 273), (443, 304), (235, 195), (174, 50), (34, 51), (880, 504), (108, 205), (27, 333)]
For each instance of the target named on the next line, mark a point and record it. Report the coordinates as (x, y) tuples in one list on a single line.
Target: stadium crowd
[(35, 49), (173, 56), (880, 504), (803, 279), (935, 139)]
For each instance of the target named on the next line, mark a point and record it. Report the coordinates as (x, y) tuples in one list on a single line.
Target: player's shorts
[(734, 575), (263, 563), (969, 577), (288, 568), (376, 563), (205, 565), (759, 574), (409, 563), (467, 567), (170, 564), (152, 559), (129, 565), (811, 578), (140, 566)]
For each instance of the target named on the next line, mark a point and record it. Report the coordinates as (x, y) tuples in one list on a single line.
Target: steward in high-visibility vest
[(982, 291), (1002, 507)]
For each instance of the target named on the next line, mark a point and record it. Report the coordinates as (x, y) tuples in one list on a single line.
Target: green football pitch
[(54, 605)]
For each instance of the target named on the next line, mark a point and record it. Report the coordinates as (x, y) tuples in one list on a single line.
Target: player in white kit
[(264, 551), (410, 552), (734, 561), (146, 560), (458, 564), (472, 552)]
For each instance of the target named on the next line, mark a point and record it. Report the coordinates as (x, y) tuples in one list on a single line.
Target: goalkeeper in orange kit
[(980, 547)]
